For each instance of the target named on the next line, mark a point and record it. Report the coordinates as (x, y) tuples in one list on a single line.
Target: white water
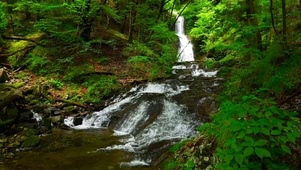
[(150, 114), (185, 52), (171, 123)]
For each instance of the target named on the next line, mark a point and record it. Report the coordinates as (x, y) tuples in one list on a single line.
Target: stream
[(135, 128)]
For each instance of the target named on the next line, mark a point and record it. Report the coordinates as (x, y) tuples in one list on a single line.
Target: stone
[(3, 76), (26, 117), (9, 112), (77, 121), (31, 141), (71, 109)]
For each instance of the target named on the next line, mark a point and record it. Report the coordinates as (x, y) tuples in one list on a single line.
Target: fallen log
[(27, 48), (65, 101)]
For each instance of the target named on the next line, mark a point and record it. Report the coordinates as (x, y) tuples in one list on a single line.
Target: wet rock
[(71, 109), (47, 122), (34, 102), (50, 110), (31, 141), (26, 117), (3, 76), (56, 113), (38, 108), (55, 119), (9, 112), (77, 121)]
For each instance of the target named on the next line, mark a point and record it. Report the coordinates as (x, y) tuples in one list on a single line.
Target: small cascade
[(185, 53), (150, 117)]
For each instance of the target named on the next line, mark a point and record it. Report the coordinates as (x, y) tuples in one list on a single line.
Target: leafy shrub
[(56, 83), (253, 134)]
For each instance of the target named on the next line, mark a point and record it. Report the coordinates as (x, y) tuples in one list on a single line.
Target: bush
[(253, 134)]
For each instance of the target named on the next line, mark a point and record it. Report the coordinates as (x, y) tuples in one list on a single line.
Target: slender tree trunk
[(161, 10), (86, 25), (284, 25), (272, 17), (252, 21), (171, 12), (132, 21)]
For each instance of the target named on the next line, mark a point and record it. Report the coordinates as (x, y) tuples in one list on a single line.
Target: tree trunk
[(252, 21), (272, 17), (132, 22), (284, 27), (161, 10), (86, 25)]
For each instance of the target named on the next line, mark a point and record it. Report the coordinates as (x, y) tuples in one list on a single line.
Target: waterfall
[(151, 116), (185, 53)]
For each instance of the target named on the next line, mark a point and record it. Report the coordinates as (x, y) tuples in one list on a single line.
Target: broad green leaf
[(239, 158), (261, 142), (259, 114), (286, 149), (241, 134), (242, 114), (255, 130), (265, 131), (276, 132), (249, 140), (283, 139), (261, 152), (296, 132), (228, 157), (248, 151), (236, 128), (291, 137), (268, 114), (274, 109)]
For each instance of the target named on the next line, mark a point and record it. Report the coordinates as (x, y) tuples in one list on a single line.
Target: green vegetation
[(256, 44), (87, 50)]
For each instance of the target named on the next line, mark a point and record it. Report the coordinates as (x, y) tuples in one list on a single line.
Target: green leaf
[(286, 149), (248, 151), (242, 114), (268, 114), (261, 152), (241, 134), (239, 158), (261, 142), (283, 139), (291, 137), (296, 132), (274, 109), (265, 131), (255, 130), (249, 140), (276, 132), (236, 128), (228, 157)]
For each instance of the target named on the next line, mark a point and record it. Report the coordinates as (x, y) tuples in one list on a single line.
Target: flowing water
[(135, 128)]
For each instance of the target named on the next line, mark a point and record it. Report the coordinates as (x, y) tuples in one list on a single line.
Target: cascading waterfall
[(151, 114), (185, 53)]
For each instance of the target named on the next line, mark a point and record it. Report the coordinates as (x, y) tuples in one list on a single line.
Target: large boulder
[(3, 76)]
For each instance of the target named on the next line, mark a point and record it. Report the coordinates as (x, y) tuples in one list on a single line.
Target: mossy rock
[(9, 113), (31, 141), (47, 122), (17, 85), (34, 102), (6, 122), (3, 76)]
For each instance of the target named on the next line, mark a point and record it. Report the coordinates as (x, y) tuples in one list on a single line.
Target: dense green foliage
[(254, 134), (257, 45), (72, 38)]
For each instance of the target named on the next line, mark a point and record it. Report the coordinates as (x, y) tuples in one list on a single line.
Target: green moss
[(31, 141)]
